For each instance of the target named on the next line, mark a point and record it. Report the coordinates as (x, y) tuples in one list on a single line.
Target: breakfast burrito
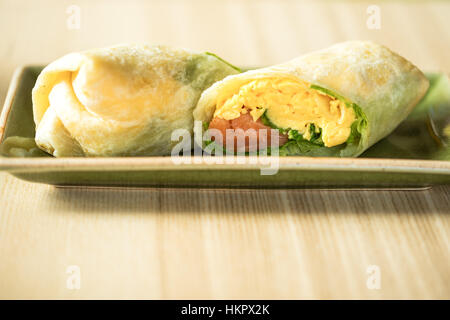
[(121, 101), (335, 102)]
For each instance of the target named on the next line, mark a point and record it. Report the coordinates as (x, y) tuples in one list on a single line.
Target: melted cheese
[(290, 104)]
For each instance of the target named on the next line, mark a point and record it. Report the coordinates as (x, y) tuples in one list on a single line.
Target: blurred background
[(247, 33)]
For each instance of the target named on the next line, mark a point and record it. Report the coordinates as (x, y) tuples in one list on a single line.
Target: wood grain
[(196, 243)]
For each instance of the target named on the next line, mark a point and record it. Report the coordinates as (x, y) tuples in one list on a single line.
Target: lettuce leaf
[(315, 135), (224, 61), (307, 148)]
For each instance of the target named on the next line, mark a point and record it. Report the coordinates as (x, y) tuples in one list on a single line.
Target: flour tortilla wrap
[(120, 101), (379, 85)]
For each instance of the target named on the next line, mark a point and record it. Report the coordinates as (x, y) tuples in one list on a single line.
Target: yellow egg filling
[(290, 104)]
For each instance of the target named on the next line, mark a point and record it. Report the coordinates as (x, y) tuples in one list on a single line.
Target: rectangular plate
[(414, 155)]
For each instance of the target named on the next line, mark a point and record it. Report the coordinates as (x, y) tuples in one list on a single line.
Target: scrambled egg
[(290, 104)]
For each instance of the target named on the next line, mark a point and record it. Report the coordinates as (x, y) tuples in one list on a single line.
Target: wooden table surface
[(199, 243)]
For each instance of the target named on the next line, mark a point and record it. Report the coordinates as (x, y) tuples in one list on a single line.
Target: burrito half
[(334, 102), (121, 101)]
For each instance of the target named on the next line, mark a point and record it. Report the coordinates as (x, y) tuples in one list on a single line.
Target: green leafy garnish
[(315, 133), (224, 61), (306, 148)]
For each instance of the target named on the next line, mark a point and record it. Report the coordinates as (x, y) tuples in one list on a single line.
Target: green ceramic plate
[(415, 155)]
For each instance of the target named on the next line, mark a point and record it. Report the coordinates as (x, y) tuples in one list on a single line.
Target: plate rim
[(10, 95)]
